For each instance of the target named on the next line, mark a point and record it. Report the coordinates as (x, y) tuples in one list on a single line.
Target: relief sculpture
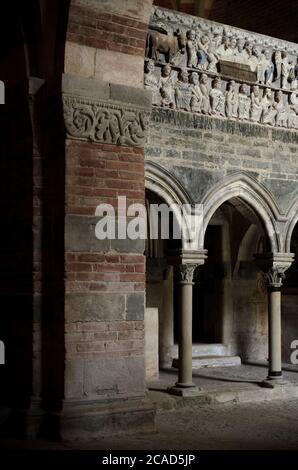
[(199, 66)]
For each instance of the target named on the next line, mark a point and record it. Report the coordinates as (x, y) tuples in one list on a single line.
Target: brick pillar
[(104, 279)]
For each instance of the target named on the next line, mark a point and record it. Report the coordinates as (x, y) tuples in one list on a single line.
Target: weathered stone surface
[(110, 65), (284, 191), (128, 94), (87, 87), (151, 342), (80, 234), (80, 60), (135, 306), (94, 307), (111, 376)]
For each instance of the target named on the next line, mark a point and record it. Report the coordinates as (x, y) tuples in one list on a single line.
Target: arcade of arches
[(90, 321)]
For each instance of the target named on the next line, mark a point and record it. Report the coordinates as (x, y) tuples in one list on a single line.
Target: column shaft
[(274, 334), (185, 337)]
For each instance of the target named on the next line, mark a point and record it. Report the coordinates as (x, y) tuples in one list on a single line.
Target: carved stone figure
[(255, 61), (231, 100), (256, 104), (277, 63), (223, 50), (217, 98), (205, 105), (207, 59), (196, 94), (232, 52), (268, 109), (166, 87), (265, 68), (243, 103), (183, 91), (285, 69), (151, 81), (165, 44), (191, 45), (293, 111), (281, 110), (240, 45), (246, 54)]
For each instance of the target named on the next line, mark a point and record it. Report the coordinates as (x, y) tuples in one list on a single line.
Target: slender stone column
[(185, 272), (274, 266), (166, 336), (274, 276), (186, 262)]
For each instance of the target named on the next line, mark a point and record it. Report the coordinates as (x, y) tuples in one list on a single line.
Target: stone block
[(74, 378), (80, 234), (94, 307), (110, 67), (114, 376), (79, 60), (135, 306), (87, 87), (151, 342), (128, 94)]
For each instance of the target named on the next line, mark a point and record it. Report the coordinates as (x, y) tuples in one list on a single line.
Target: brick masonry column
[(104, 279)]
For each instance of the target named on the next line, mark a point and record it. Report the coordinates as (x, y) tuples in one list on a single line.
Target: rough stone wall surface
[(200, 151)]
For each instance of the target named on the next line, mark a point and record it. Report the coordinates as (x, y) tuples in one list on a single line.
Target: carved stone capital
[(104, 122), (274, 265), (275, 276), (185, 273)]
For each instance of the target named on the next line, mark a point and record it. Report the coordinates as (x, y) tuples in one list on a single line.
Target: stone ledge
[(197, 122), (90, 88)]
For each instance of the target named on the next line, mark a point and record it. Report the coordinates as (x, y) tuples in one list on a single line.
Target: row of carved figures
[(204, 53), (192, 92)]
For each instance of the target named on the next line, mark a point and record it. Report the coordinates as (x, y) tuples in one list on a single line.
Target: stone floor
[(233, 412), (226, 384)]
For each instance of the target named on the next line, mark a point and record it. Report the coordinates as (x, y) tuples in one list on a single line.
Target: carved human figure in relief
[(255, 63), (217, 98), (293, 111), (207, 59), (243, 103), (232, 52), (196, 94), (183, 91), (205, 105), (277, 62), (231, 96), (256, 104), (268, 109), (223, 50), (151, 81), (266, 67), (285, 69), (246, 54), (191, 46), (281, 110), (166, 87)]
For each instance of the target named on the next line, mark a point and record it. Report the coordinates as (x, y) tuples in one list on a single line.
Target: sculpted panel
[(200, 66), (98, 123)]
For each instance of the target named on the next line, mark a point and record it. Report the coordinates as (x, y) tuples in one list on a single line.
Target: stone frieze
[(203, 67)]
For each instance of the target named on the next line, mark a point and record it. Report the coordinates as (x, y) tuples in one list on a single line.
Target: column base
[(184, 390)]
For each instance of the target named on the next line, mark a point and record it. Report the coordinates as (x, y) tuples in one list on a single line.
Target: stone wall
[(199, 152)]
